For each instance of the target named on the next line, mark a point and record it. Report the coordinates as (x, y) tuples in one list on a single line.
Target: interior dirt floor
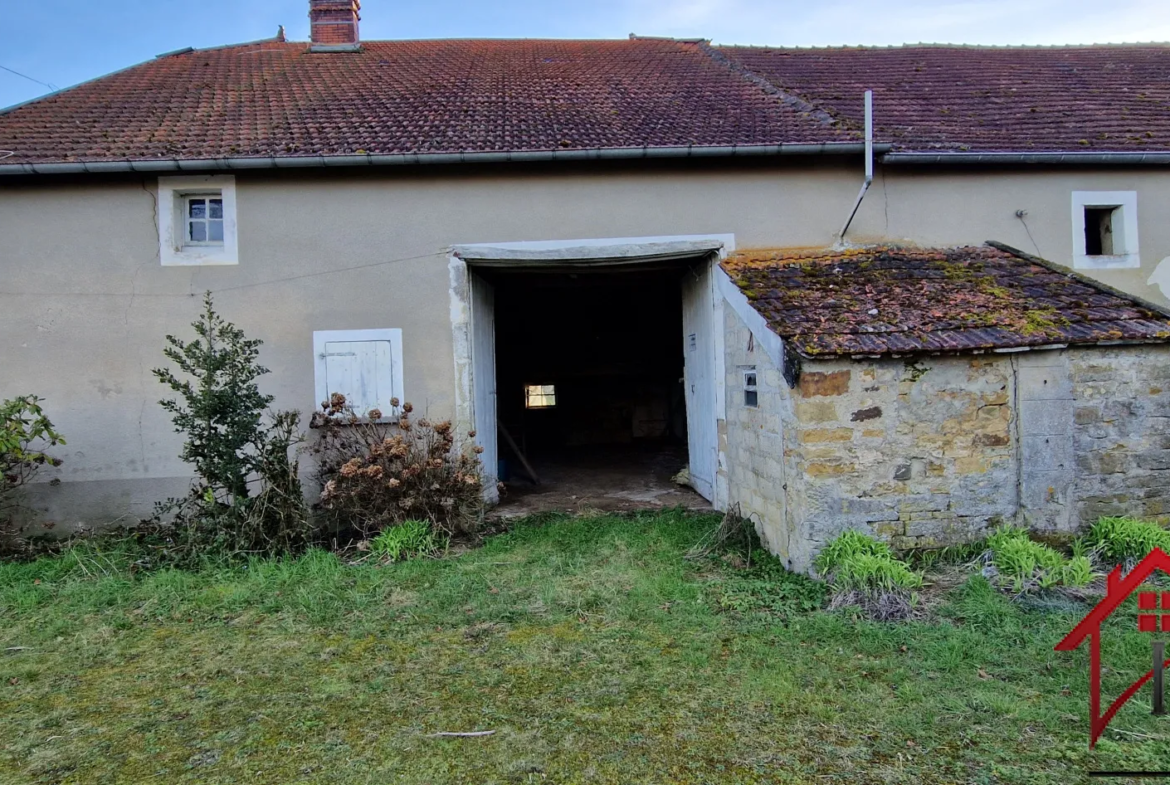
[(610, 479)]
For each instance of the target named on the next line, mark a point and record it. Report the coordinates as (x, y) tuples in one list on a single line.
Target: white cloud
[(796, 23)]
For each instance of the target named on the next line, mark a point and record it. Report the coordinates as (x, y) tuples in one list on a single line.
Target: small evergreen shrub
[(864, 572), (1121, 540), (1020, 564), (375, 475), (407, 540), (248, 499), (26, 434)]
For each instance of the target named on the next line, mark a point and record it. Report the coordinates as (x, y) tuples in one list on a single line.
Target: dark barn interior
[(589, 368)]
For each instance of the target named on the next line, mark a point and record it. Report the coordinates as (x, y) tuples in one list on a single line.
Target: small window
[(1099, 231), (540, 396), (1105, 232), (751, 396), (204, 218), (197, 220)]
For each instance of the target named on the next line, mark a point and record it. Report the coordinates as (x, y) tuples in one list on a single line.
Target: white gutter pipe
[(156, 165), (868, 162)]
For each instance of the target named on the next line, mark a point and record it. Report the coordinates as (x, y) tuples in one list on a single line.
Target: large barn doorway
[(600, 380)]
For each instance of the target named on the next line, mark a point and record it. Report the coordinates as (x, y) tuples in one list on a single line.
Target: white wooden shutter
[(363, 365)]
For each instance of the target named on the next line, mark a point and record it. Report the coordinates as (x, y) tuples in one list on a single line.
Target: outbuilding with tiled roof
[(927, 394)]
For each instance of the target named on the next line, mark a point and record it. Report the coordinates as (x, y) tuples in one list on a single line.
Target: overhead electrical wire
[(49, 85)]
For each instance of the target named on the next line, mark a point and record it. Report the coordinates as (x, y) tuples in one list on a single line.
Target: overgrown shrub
[(376, 474), (1018, 563), (735, 534), (1122, 540), (248, 499), (25, 435), (864, 572), (407, 540)]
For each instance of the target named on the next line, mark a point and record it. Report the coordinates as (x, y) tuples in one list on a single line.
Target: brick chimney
[(334, 25)]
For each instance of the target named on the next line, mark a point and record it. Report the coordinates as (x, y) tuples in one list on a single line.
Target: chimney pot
[(334, 25)]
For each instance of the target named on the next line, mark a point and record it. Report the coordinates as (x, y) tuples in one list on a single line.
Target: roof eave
[(1050, 158), (161, 165), (1041, 347)]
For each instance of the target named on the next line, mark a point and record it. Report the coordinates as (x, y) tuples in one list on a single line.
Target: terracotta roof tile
[(278, 99), (887, 300), (985, 99)]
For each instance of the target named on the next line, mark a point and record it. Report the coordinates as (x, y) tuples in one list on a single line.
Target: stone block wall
[(1121, 434), (753, 454), (920, 454), (936, 450)]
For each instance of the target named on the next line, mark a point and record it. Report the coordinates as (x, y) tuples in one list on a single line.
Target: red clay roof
[(887, 300), (278, 99), (985, 99)]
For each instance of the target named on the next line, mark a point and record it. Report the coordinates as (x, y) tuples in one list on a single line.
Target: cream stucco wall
[(85, 303), (949, 208)]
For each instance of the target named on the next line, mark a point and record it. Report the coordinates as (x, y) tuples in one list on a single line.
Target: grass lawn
[(590, 647)]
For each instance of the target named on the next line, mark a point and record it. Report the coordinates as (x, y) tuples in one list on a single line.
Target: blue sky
[(63, 42)]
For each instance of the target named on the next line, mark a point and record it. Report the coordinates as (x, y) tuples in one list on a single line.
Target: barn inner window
[(751, 396), (540, 396), (1105, 230)]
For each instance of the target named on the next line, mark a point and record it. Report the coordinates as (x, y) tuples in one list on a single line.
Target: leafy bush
[(1127, 539), (856, 561), (407, 540), (864, 572), (1077, 572), (233, 447), (375, 474), (767, 586), (960, 553), (1021, 564), (25, 434)]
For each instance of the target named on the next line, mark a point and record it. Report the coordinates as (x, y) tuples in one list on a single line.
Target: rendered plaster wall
[(955, 207), (86, 302)]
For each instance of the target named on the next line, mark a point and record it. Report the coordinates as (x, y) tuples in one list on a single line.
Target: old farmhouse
[(627, 257)]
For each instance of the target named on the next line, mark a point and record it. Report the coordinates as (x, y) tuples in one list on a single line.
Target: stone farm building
[(619, 258)]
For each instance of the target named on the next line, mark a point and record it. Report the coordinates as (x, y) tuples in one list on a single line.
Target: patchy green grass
[(589, 645)]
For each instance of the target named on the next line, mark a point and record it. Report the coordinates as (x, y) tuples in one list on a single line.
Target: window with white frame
[(1105, 229), (540, 396), (197, 220), (203, 216), (363, 365), (751, 395)]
